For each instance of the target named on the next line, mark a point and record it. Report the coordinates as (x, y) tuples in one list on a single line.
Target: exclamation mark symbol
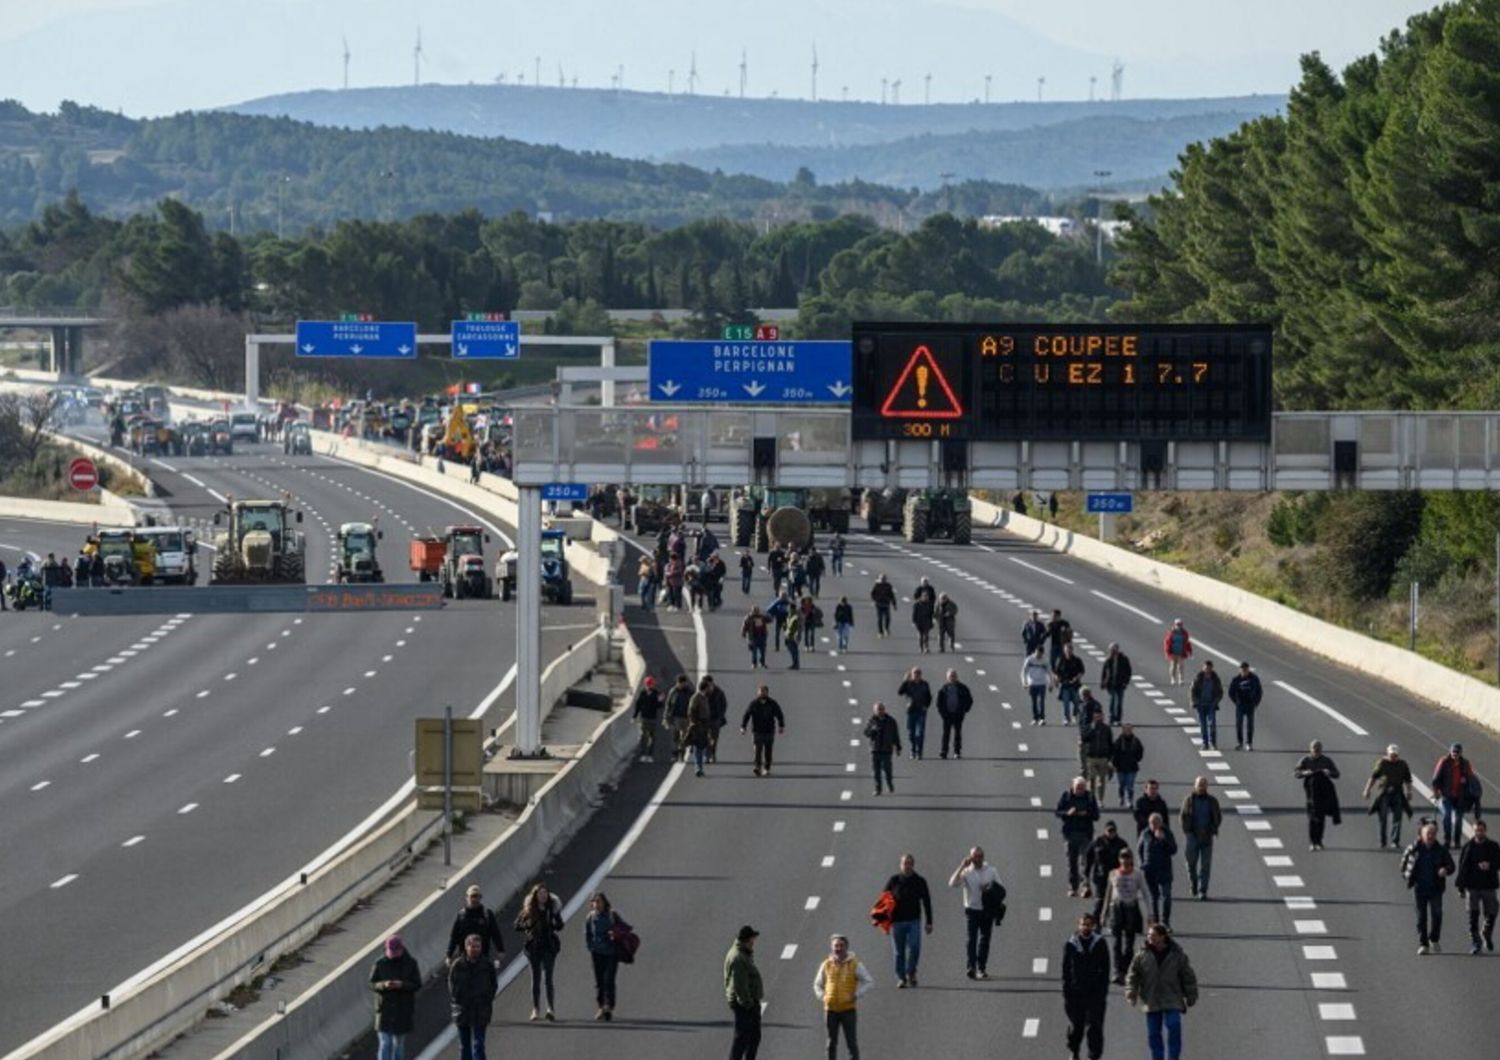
[(922, 374)]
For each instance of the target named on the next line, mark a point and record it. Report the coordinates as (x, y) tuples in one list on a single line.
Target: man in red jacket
[(1451, 781)]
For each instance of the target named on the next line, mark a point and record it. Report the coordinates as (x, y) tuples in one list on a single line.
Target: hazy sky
[(158, 56)]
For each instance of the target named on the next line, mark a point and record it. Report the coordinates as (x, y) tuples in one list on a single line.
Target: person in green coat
[(395, 979), (1161, 983), (744, 992)]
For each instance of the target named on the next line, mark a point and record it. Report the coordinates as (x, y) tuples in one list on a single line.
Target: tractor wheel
[(914, 527), (565, 593), (742, 527), (762, 540), (223, 568), (292, 568), (506, 589), (963, 526)]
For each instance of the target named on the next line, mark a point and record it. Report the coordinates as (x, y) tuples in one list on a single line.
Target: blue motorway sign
[(758, 373), (486, 339), (565, 491), (355, 338), (1111, 503)]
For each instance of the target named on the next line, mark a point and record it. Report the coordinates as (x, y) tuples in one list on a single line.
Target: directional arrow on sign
[(308, 348), (463, 349), (669, 388), (840, 388), (403, 350), (510, 349), (356, 350), (754, 388)]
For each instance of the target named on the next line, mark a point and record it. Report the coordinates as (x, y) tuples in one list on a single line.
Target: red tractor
[(456, 558)]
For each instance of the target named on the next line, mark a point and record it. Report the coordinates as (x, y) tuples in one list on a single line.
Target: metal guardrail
[(247, 599)]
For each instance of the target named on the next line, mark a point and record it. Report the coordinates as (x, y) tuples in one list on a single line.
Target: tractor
[(456, 559), (125, 562), (257, 543), (937, 513), (296, 440), (750, 510), (357, 562), (557, 583), (885, 507)]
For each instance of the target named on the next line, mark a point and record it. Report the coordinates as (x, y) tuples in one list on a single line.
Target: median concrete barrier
[(1421, 677), (110, 511)]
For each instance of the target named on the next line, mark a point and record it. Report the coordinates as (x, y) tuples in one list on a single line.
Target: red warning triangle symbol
[(922, 392)]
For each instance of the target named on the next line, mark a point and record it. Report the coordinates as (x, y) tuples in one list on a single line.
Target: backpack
[(625, 941)]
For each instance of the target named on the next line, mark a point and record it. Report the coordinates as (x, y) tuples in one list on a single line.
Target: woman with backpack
[(540, 921), (601, 934)]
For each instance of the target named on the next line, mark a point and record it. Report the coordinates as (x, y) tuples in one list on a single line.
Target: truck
[(456, 558), (257, 541), (244, 426), (557, 581), (937, 513), (356, 557), (882, 508), (174, 554)]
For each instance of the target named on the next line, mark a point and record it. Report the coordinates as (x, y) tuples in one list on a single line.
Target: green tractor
[(937, 513), (258, 544), (882, 508), (751, 508), (357, 562)]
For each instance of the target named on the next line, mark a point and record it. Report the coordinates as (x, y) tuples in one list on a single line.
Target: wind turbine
[(693, 75), (744, 70), (1040, 83), (561, 81), (896, 92), (671, 79), (1092, 82), (346, 64), (926, 89), (815, 74), (1116, 81), (536, 82), (883, 83), (416, 59), (987, 79)]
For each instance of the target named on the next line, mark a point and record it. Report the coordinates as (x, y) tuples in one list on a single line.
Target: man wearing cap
[(1390, 782), (1451, 779), (395, 979), (1245, 693), (475, 919), (841, 981), (744, 992), (648, 704)]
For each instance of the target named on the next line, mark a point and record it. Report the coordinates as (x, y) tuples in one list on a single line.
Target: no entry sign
[(83, 473)]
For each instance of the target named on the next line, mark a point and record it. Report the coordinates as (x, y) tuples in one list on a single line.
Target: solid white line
[(1127, 607), (69, 878), (1324, 707), (509, 543), (216, 495), (133, 840), (163, 464), (195, 481), (1039, 570)]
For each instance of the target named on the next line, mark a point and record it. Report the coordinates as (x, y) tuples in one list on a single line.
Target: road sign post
[(83, 474), (751, 373)]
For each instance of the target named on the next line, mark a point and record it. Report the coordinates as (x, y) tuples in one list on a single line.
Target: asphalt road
[(162, 772), (1298, 953)]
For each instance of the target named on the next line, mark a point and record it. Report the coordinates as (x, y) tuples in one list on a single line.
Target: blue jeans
[(1160, 892), (916, 731), (1172, 1021), (795, 652), (1244, 725), (882, 619), (843, 629), (977, 949), (1038, 702), (1429, 914), (648, 595), (757, 652), (838, 563), (1068, 697), (1208, 726), (392, 1046), (745, 582), (1116, 705), (1127, 786), (1200, 862), (906, 941), (1388, 808), (471, 1043), (1453, 820), (699, 753)]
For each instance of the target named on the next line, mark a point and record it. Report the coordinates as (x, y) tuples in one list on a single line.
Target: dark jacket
[(763, 717), (679, 699), (1080, 824), (1060, 632), (1128, 753), (913, 899), (954, 700), (918, 694), (1185, 815), (883, 594), (700, 720), (647, 704), (1389, 780), (1103, 856), (1097, 741), (718, 707), (1115, 674), (884, 734), (596, 929), (1069, 672), (1317, 773), (1450, 779), (1085, 967), (1420, 863), (1470, 876), (921, 613), (1033, 634), (843, 614), (471, 992), (394, 1006), (1245, 690), (1161, 983), (541, 930), (1154, 855), (479, 922), (1214, 693), (1145, 806), (924, 592), (947, 615)]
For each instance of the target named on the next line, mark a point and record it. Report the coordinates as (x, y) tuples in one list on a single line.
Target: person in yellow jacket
[(841, 981)]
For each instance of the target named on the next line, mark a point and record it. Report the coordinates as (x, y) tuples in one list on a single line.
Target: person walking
[(1036, 675), (1100, 859), (1156, 850), (1114, 679), (1122, 911), (912, 900), (744, 992), (1317, 773), (764, 719), (1177, 646), (1085, 987), (1390, 785), (1201, 819), (474, 919), (918, 694), (1096, 752), (947, 622), (779, 611), (1034, 633), (1068, 672), (1426, 866), (836, 549), (1207, 692), (976, 877), (646, 715), (395, 979), (1149, 803), (924, 591), (883, 595), (923, 610), (1161, 983), (718, 713), (700, 725), (747, 572), (954, 701), (776, 564), (1059, 636), (1245, 693), (1477, 881), (1126, 759), (793, 630), (756, 629), (540, 921), (472, 983), (843, 622), (679, 699), (599, 930), (1078, 810), (841, 981), (884, 736), (814, 567), (1453, 783)]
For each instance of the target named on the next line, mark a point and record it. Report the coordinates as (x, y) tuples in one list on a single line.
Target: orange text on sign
[(1085, 345)]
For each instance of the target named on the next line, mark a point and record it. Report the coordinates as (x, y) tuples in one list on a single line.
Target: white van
[(244, 425), (176, 553)]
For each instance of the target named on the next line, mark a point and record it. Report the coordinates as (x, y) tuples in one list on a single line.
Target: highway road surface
[(161, 772), (1299, 954)]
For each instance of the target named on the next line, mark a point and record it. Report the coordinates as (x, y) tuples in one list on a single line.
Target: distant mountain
[(658, 126)]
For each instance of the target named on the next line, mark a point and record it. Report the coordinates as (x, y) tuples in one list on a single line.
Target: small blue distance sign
[(565, 491), (1111, 503)]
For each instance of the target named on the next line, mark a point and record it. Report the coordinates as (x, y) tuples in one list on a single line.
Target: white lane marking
[(231, 778), (1041, 833), (132, 734), (1269, 844), (64, 881), (294, 730), (1036, 800), (1257, 826), (811, 903), (163, 465), (1044, 914), (1337, 1011), (828, 861), (203, 694), (1046, 871), (12, 713), (230, 677), (1277, 861), (1324, 707), (133, 840), (39, 785), (1300, 903), (1023, 748), (845, 796), (369, 673), (1039, 966), (189, 808), (86, 759), (1310, 927), (70, 684), (1039, 570), (789, 951), (1128, 607), (216, 495), (252, 660), (1345, 1045), (849, 767), (1032, 1025), (324, 709), (1320, 953), (268, 752), (349, 691), (1329, 981), (838, 826), (195, 481), (1288, 882)]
